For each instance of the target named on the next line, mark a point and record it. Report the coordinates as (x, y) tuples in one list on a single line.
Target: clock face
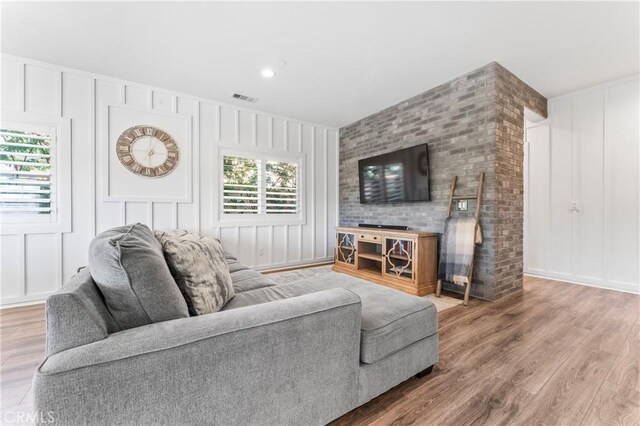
[(147, 151)]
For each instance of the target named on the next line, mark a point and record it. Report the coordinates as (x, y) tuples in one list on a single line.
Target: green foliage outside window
[(25, 167), (243, 191)]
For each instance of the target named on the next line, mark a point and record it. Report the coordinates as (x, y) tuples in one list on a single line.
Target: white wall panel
[(41, 261), (34, 265), (622, 144), (294, 137), (308, 230), (263, 245), (279, 244), (163, 102), (77, 105), (588, 132), (246, 252), (41, 87), (263, 131), (320, 191), (118, 183), (227, 132), (294, 234), (279, 134), (208, 134), (560, 226), (11, 267), (108, 214), (12, 87), (163, 216), (229, 239), (187, 217), (332, 187), (138, 212), (137, 96), (189, 213), (246, 135), (592, 225)]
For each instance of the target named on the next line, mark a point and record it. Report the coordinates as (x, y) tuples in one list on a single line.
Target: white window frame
[(59, 220), (227, 219)]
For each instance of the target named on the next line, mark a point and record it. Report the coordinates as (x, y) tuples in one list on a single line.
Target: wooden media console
[(404, 260)]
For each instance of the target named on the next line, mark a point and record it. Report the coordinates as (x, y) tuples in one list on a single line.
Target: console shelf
[(404, 260), (371, 256)]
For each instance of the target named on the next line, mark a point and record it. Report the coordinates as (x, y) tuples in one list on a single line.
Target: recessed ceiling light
[(268, 73)]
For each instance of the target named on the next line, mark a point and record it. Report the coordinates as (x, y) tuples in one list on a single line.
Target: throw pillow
[(128, 266), (199, 268)]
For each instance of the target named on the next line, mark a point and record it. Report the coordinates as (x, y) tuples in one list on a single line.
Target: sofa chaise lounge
[(302, 353)]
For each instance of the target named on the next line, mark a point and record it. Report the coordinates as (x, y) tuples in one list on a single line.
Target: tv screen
[(396, 177)]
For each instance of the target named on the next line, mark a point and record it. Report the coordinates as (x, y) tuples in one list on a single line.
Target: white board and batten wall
[(582, 209), (104, 194)]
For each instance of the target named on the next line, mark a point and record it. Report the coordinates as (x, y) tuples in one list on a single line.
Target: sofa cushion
[(128, 266), (199, 268), (235, 266), (391, 320), (245, 279)]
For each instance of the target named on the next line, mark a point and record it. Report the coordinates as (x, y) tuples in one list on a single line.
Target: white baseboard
[(27, 303), (294, 265), (624, 288)]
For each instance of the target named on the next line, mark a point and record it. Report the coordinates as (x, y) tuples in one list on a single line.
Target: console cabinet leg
[(438, 288)]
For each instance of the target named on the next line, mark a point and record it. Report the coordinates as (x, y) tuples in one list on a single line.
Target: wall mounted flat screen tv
[(396, 177)]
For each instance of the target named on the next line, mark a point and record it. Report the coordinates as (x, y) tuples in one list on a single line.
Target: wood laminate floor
[(556, 354)]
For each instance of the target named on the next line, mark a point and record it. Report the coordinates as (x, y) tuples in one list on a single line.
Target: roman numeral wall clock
[(147, 151)]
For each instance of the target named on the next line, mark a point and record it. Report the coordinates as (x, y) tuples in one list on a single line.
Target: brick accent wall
[(512, 95), (468, 122)]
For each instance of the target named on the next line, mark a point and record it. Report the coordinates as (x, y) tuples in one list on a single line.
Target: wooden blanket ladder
[(478, 199)]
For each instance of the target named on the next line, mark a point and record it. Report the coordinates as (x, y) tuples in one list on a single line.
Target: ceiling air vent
[(244, 98)]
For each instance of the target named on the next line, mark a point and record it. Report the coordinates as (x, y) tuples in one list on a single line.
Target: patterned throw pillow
[(199, 268)]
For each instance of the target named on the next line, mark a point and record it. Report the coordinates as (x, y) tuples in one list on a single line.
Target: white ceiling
[(344, 60)]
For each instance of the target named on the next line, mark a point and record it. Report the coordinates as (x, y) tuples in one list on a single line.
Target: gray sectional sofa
[(299, 354)]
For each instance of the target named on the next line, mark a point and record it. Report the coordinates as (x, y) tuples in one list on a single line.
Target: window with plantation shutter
[(35, 173), (241, 192), (26, 168), (260, 188), (281, 190)]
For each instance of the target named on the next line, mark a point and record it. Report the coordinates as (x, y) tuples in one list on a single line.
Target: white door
[(588, 184), (559, 251), (622, 185)]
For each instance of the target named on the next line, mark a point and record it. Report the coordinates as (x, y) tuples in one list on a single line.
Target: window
[(260, 186), (26, 186), (281, 188), (35, 173), (241, 185)]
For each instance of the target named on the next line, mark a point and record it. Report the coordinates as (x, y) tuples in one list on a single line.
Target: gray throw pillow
[(128, 266), (199, 268)]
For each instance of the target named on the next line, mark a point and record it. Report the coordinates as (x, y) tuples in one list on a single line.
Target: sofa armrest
[(269, 363)]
